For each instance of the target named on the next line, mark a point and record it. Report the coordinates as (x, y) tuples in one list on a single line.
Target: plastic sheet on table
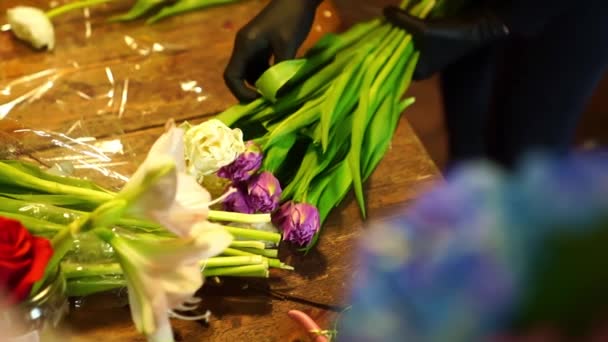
[(95, 104), (76, 117)]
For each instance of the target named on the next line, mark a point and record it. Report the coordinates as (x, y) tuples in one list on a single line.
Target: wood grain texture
[(162, 85)]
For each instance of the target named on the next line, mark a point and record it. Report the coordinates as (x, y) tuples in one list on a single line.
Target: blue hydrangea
[(458, 264)]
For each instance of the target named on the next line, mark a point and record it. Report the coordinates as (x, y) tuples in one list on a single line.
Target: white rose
[(210, 146), (32, 25)]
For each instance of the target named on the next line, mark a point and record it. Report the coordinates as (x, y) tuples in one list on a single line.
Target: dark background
[(427, 115)]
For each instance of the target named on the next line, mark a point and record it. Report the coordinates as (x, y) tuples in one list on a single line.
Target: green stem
[(75, 270), (261, 269), (88, 286), (232, 261), (275, 263), (269, 253), (72, 6), (42, 215), (62, 244), (20, 178), (227, 216), (247, 233), (248, 244), (34, 225)]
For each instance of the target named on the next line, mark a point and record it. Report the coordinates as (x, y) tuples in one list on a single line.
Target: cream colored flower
[(32, 25), (176, 201), (210, 146)]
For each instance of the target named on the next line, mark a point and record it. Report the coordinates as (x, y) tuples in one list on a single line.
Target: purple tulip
[(264, 192), (238, 201), (245, 165), (298, 221)]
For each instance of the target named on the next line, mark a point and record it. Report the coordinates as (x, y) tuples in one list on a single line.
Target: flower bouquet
[(326, 120), (159, 236)]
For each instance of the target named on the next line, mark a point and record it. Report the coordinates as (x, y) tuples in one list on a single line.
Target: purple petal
[(298, 222), (247, 164), (264, 192), (238, 202)]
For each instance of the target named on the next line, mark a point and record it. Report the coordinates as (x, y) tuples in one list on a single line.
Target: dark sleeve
[(529, 17)]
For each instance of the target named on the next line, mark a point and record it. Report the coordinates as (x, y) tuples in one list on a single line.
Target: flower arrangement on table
[(325, 121), (158, 236)]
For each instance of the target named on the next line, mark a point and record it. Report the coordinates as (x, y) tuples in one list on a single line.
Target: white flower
[(162, 274), (210, 146), (176, 201), (32, 25)]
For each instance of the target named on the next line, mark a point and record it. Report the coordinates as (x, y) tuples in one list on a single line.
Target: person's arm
[(277, 31), (442, 41)]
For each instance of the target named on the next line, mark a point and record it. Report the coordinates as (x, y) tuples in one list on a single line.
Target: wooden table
[(106, 92)]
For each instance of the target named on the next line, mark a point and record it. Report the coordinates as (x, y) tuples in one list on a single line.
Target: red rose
[(23, 259)]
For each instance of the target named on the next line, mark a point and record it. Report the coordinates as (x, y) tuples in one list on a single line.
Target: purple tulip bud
[(245, 165), (298, 221), (264, 192), (238, 202)]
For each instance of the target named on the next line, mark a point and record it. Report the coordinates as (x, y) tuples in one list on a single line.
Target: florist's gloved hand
[(278, 30), (443, 41)]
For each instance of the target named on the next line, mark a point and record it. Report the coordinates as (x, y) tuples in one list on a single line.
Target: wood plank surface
[(85, 118)]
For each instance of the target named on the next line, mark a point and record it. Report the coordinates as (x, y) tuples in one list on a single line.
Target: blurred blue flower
[(464, 260)]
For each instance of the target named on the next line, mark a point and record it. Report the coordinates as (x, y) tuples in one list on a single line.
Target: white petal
[(190, 194), (32, 25), (171, 143), (164, 333), (214, 235)]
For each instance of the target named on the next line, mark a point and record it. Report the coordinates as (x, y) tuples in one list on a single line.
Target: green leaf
[(316, 189), (307, 165), (342, 95), (289, 104), (138, 10), (387, 79), (378, 136), (409, 72), (273, 79), (275, 154), (340, 143), (347, 42), (383, 122), (365, 110), (340, 181), (238, 112), (303, 117), (183, 6), (327, 192)]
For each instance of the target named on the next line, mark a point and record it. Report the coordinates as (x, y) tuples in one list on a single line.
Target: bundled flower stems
[(45, 203), (333, 113)]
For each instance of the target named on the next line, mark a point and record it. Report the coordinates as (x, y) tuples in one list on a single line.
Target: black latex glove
[(278, 30), (443, 41)]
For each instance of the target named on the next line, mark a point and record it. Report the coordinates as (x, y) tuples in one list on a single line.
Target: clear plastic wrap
[(74, 118), (94, 105)]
